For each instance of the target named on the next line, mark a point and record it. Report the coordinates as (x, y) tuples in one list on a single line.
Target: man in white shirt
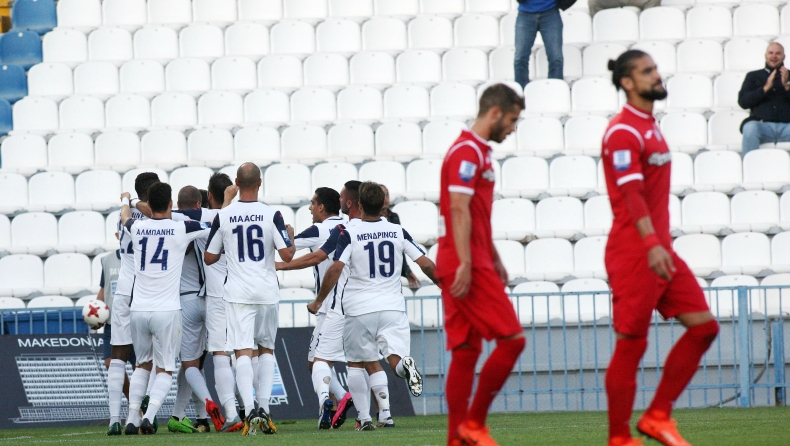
[(372, 299), (249, 232), (159, 247)]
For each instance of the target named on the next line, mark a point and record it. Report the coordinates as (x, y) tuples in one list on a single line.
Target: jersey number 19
[(386, 256)]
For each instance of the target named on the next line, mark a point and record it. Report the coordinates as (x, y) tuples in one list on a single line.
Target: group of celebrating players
[(202, 280)]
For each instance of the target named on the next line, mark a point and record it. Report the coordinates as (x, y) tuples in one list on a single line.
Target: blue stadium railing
[(564, 364)]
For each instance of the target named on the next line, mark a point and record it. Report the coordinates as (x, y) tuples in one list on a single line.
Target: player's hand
[(500, 269), (290, 230), (785, 75), (126, 195), (770, 82), (660, 262), (313, 307), (230, 192), (414, 282), (279, 266), (463, 278)]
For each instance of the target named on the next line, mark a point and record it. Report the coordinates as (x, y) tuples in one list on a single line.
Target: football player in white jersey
[(121, 339), (159, 247), (372, 298), (249, 232)]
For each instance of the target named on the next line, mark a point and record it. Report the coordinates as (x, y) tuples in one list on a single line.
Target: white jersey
[(249, 232), (213, 276), (329, 248), (373, 251), (159, 247), (126, 275), (313, 238), (191, 274)]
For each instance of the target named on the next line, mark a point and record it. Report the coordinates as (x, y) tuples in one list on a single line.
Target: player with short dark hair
[(470, 272), (189, 198), (644, 272), (143, 182)]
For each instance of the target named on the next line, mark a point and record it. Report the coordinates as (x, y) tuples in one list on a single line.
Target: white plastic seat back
[(419, 67), (583, 134), (512, 256), (166, 149), (220, 109), (422, 179), (34, 233), (525, 177), (35, 115), (313, 105), (685, 131), (597, 215), (453, 101), (755, 211), (725, 91), (260, 145), (767, 169), (701, 252), (372, 68), (117, 150), (174, 110), (513, 218), (615, 25), (159, 43), (690, 92), (326, 70), (350, 9), (717, 170), (172, 13), (572, 175), (700, 56), (63, 45), (360, 104), (745, 253), (560, 217), (577, 28), (288, 183), (400, 140), (407, 103), (338, 36), (201, 41), (439, 136), (744, 53), (662, 23), (110, 44), (706, 212), (98, 79), (549, 97), (537, 308), (267, 107), (430, 33), (83, 15), (663, 54), (81, 114), (709, 22), (128, 14), (97, 189), (756, 20), (542, 136), (293, 37), (247, 39), (352, 141), (143, 77), (266, 12), (70, 152), (304, 142), (724, 130), (24, 154), (210, 147), (549, 259), (52, 80), (724, 303), (84, 231), (384, 34), (500, 63), (596, 56), (469, 65), (50, 302), (188, 75), (236, 74), (128, 112), (280, 72), (776, 301), (217, 12), (14, 198), (333, 175), (391, 173), (476, 31), (586, 307), (189, 176), (594, 96)]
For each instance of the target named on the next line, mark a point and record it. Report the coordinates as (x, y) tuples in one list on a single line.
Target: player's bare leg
[(681, 365)]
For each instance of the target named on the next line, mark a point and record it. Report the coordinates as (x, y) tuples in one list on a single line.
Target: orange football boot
[(472, 434), (622, 441), (660, 427)]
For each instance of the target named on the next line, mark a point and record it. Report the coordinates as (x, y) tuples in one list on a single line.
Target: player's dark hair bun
[(610, 65), (623, 65)]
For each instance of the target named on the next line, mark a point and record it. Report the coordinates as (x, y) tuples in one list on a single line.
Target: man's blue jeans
[(759, 132), (549, 23)]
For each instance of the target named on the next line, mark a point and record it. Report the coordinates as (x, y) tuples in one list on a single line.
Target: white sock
[(151, 380), (360, 392), (200, 407), (244, 377), (198, 384), (115, 378), (378, 384), (367, 378), (182, 395), (256, 384), (400, 371), (266, 377), (225, 384), (137, 387), (335, 387), (158, 395), (322, 376)]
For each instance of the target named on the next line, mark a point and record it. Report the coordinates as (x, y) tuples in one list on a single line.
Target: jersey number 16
[(254, 242)]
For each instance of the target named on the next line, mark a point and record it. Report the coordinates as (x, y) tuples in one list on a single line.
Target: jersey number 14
[(160, 255)]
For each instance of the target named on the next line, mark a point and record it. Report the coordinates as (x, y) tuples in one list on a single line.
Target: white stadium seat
[(724, 130), (597, 216), (538, 309), (97, 190), (119, 151), (776, 300), (422, 180), (525, 177), (280, 72), (469, 65), (70, 152), (82, 232), (745, 253), (293, 37), (577, 28), (98, 79), (245, 39), (401, 141), (425, 312), (217, 12), (11, 303), (201, 41), (500, 63), (384, 34), (51, 80), (430, 33), (419, 67), (306, 143), (189, 176), (165, 149), (595, 58), (50, 302), (724, 303), (391, 173), (220, 109), (210, 148), (586, 307), (489, 7), (549, 97), (14, 198), (453, 101), (24, 154), (360, 104), (420, 218), (266, 12), (476, 31), (129, 112), (351, 142), (324, 70), (338, 36), (143, 77), (572, 66), (512, 255), (559, 217), (63, 45), (158, 43), (35, 115), (404, 103), (21, 275), (756, 20), (662, 23), (260, 145), (439, 136), (442, 8), (236, 74), (5, 233), (767, 169), (685, 132), (173, 110), (403, 9), (784, 210), (675, 220), (372, 68), (615, 25), (128, 14), (110, 44), (725, 91), (662, 53), (81, 114), (287, 183), (83, 15), (96, 266), (549, 259), (702, 253), (705, 212), (755, 211), (266, 107), (191, 76), (313, 105), (572, 175), (700, 56), (307, 10), (540, 136), (690, 92), (172, 13), (681, 174), (709, 22), (595, 96), (33, 233), (513, 218), (744, 53), (333, 175), (780, 252), (82, 301), (717, 170), (351, 9)]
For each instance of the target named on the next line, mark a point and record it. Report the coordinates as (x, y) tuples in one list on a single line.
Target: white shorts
[(216, 324), (329, 346), (193, 319), (366, 334), (157, 337), (251, 325), (120, 319)]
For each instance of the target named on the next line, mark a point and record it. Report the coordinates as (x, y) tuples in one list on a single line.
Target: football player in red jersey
[(644, 272), (470, 272)]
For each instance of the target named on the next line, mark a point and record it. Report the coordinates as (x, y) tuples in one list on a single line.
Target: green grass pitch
[(758, 426)]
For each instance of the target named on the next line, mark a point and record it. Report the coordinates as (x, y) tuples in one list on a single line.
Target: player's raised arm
[(214, 244), (126, 211), (283, 237), (230, 194), (418, 256)]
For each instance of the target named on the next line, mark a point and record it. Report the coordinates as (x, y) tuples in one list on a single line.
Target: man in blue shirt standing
[(534, 16)]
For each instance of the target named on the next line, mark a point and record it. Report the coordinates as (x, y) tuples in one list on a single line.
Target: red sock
[(493, 376), (460, 377), (621, 384), (682, 363)]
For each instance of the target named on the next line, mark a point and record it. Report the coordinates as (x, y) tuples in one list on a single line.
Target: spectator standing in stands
[(767, 93), (598, 5), (392, 217), (534, 16)]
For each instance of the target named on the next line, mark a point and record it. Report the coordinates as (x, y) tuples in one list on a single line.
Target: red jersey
[(634, 150), (467, 169)]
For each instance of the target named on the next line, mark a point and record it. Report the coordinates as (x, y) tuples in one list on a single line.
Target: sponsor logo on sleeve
[(621, 160), (467, 171)]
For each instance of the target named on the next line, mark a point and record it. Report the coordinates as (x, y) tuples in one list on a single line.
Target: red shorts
[(637, 291), (485, 312)]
